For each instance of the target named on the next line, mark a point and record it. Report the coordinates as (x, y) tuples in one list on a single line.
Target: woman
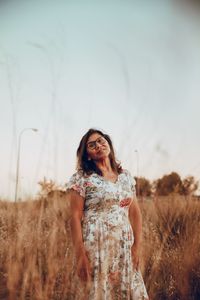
[(106, 225)]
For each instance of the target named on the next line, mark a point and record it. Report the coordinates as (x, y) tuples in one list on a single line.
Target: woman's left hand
[(135, 253), (125, 202)]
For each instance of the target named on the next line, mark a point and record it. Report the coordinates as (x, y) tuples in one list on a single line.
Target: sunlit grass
[(36, 250)]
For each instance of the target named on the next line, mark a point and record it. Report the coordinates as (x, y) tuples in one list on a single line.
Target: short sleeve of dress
[(132, 184), (76, 182)]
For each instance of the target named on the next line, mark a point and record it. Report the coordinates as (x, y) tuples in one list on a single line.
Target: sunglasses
[(92, 145)]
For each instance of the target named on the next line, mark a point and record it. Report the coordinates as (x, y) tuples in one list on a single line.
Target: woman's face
[(97, 147)]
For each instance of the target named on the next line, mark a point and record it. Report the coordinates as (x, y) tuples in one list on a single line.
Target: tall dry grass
[(36, 250), (171, 248)]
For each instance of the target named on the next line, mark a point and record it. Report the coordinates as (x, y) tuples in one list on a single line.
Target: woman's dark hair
[(88, 166)]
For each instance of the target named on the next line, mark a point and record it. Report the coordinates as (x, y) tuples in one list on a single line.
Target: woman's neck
[(104, 165)]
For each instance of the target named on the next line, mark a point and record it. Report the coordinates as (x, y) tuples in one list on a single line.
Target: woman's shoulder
[(126, 172), (79, 174), (76, 182), (129, 175)]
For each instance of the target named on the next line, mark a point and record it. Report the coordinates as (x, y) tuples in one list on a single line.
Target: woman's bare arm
[(83, 265), (76, 206), (135, 218)]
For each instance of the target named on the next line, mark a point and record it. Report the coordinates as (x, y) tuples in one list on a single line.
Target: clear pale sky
[(130, 68)]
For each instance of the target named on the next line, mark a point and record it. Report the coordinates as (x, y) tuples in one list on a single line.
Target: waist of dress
[(104, 205), (117, 215)]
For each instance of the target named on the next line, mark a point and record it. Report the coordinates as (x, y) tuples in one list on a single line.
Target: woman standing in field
[(106, 225)]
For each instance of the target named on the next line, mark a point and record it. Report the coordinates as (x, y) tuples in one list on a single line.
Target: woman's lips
[(101, 150)]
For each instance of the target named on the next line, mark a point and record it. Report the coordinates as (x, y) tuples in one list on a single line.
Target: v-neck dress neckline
[(107, 180)]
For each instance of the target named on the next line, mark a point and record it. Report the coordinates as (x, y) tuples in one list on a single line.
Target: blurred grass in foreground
[(36, 250)]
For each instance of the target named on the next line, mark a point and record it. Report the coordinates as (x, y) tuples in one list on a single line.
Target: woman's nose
[(97, 145)]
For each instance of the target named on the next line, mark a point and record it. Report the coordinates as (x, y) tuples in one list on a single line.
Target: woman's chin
[(102, 155)]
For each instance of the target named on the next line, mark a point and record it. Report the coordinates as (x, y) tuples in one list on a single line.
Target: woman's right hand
[(83, 268)]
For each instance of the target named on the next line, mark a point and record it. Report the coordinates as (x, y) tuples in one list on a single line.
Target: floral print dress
[(108, 237)]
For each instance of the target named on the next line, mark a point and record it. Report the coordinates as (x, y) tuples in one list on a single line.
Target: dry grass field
[(36, 249)]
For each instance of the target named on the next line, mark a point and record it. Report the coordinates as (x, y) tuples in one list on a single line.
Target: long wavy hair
[(88, 166)]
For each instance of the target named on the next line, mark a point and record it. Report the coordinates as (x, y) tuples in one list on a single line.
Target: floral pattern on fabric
[(108, 237)]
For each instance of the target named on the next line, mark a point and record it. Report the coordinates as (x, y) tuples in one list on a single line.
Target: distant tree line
[(166, 185)]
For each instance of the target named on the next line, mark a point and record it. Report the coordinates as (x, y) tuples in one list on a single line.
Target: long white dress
[(108, 237)]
